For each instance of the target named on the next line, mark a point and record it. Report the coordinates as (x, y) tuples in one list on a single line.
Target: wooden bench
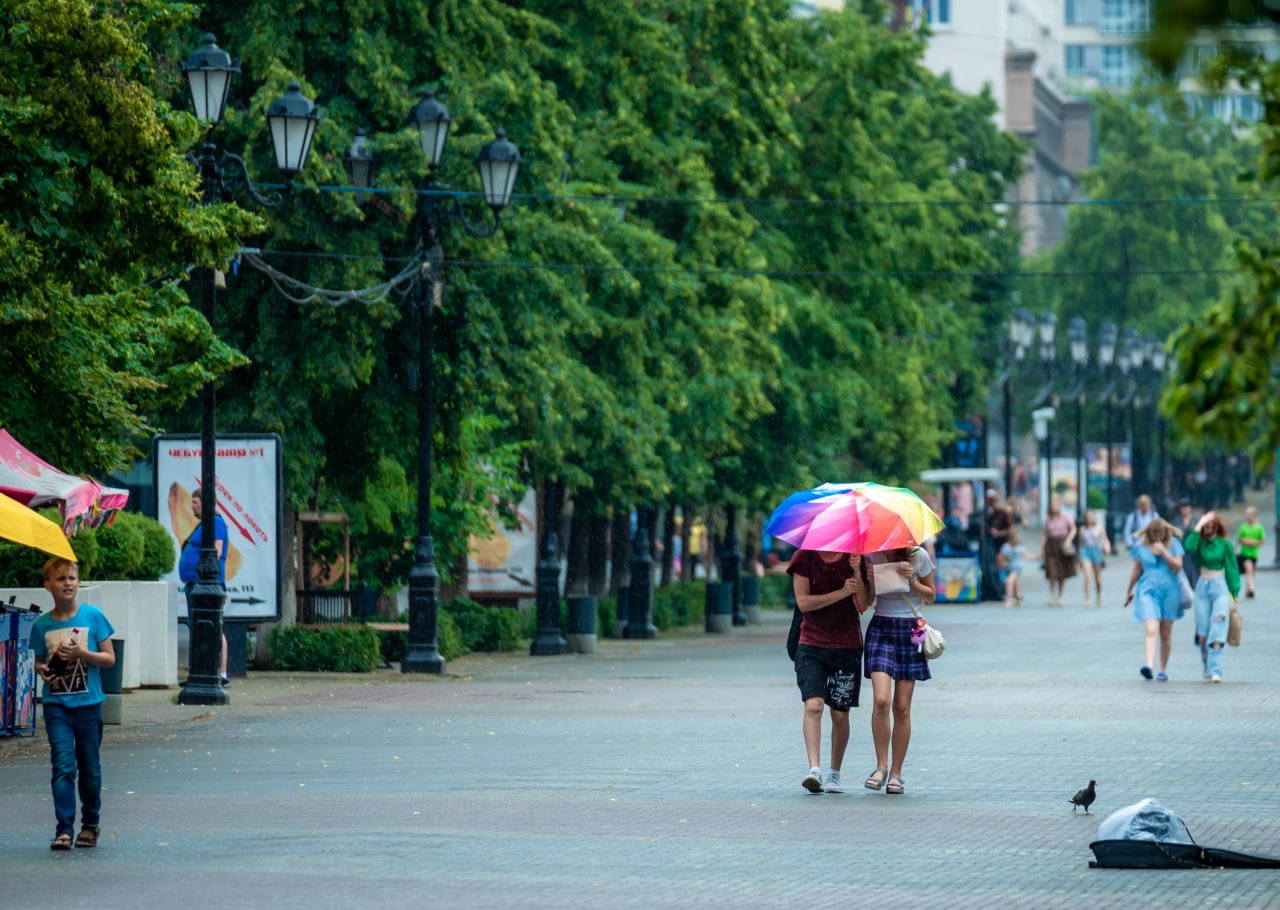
[(388, 626), (375, 626)]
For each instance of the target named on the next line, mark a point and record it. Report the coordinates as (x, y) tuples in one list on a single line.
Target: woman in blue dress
[(1153, 591)]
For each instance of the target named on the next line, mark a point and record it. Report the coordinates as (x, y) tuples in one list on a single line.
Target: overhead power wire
[(752, 273), (614, 199)]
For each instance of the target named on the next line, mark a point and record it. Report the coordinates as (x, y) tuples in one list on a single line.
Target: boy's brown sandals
[(60, 842), (88, 837)]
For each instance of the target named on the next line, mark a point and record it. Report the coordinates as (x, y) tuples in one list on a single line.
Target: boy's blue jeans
[(75, 734)]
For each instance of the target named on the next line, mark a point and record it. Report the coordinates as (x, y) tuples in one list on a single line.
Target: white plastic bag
[(1147, 820)]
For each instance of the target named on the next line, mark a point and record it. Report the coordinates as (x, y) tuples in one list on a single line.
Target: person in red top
[(831, 593)]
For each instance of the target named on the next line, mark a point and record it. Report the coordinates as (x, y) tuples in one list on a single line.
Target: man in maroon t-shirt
[(831, 593)]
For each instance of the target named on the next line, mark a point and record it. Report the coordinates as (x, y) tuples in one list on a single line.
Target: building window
[(1074, 12), (937, 12), (1075, 59), (1125, 17), (1119, 65)]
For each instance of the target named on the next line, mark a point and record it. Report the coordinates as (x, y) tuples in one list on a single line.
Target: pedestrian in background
[(1095, 547), (72, 644), (1012, 556), (1250, 536), (831, 591), (1186, 523), (1155, 593), (1058, 549), (1216, 590), (893, 664), (1142, 515)]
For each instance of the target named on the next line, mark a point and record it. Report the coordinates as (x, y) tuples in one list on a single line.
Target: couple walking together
[(832, 591)]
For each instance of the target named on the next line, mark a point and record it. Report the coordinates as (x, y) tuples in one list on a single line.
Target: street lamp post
[(547, 638), (498, 163), (1078, 339), (640, 599), (1156, 357), (1021, 332), (1045, 327), (292, 120), (1106, 358), (1136, 358)]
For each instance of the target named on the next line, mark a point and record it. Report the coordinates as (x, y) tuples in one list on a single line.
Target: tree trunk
[(598, 556), (577, 579)]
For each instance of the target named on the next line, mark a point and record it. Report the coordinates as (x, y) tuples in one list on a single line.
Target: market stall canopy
[(31, 529), (32, 481)]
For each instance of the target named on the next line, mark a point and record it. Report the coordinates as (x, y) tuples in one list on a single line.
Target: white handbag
[(932, 642)]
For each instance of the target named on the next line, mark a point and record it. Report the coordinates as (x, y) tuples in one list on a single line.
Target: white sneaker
[(833, 785), (812, 783), (1215, 678)]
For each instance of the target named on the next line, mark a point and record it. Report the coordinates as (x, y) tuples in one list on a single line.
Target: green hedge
[(463, 626), (340, 648), (680, 604), (774, 590), (132, 548)]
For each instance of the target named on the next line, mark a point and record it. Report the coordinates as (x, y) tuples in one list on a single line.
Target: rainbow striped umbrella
[(864, 517)]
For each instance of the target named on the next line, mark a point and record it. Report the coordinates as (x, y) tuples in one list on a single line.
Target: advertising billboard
[(506, 562), (249, 474)]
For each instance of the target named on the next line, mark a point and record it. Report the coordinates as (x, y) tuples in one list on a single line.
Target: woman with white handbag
[(1217, 588), (903, 582)]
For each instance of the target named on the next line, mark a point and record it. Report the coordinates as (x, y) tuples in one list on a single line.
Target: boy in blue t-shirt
[(72, 643)]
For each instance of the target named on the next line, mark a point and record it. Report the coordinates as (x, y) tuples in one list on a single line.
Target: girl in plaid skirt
[(891, 661)]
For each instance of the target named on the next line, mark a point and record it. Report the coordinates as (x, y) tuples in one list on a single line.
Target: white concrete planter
[(144, 614)]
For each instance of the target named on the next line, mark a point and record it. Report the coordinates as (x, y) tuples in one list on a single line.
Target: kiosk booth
[(962, 553)]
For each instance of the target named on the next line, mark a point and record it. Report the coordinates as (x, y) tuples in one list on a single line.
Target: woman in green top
[(1250, 536), (1217, 589)]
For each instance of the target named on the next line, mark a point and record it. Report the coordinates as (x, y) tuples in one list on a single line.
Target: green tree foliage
[(1224, 385), (742, 259), (96, 225), (1165, 181)]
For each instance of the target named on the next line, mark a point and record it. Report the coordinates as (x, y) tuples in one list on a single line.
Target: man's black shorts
[(834, 675)]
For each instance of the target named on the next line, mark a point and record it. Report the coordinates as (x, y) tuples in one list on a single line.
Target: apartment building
[(1041, 58)]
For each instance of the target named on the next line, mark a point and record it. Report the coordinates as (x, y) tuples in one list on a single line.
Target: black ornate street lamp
[(498, 163), (1045, 328), (292, 120), (1106, 360), (1133, 356), (1078, 343), (640, 598), (1020, 338), (1156, 359)]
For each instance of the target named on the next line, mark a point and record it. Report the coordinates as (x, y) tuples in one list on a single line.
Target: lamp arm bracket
[(240, 175), (444, 203), (1046, 391), (481, 229), (1128, 396)]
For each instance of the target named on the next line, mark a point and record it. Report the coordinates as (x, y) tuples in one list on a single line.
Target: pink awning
[(34, 482)]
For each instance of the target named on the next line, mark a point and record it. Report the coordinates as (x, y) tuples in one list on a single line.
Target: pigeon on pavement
[(1084, 798)]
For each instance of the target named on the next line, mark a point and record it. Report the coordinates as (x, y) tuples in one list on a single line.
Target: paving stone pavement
[(666, 774)]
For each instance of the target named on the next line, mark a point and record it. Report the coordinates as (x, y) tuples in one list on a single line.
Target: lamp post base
[(422, 661), (204, 616), (203, 692)]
